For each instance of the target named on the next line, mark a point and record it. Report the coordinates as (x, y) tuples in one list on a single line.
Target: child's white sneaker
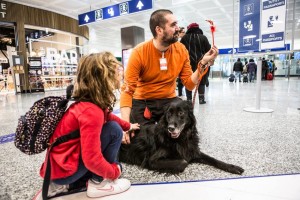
[(107, 187)]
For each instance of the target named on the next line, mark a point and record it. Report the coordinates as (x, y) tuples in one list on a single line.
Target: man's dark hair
[(158, 19)]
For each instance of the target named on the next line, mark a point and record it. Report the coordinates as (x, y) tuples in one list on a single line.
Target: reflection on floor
[(264, 144)]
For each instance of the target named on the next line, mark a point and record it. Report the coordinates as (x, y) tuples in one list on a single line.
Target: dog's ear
[(191, 112), (163, 120), (189, 104)]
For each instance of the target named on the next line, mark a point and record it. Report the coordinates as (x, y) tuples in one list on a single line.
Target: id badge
[(163, 64)]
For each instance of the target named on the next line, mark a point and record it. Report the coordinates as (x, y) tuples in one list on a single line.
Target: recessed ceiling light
[(175, 2)]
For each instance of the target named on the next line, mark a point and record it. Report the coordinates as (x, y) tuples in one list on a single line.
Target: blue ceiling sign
[(111, 11), (86, 18), (249, 25), (116, 10), (138, 5)]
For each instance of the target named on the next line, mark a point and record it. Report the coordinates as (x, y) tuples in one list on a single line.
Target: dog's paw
[(234, 169), (180, 167)]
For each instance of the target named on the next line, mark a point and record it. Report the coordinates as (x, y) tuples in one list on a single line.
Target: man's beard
[(168, 41)]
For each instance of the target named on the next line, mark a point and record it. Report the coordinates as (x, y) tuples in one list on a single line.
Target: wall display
[(35, 74), (58, 62), (272, 25), (18, 73), (57, 76), (36, 34)]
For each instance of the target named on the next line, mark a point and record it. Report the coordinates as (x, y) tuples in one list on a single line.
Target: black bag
[(231, 77), (36, 127), (245, 79)]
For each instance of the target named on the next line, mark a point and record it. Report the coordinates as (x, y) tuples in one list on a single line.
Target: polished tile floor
[(266, 145)]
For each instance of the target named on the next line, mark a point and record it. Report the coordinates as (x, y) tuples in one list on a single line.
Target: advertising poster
[(249, 25), (273, 24)]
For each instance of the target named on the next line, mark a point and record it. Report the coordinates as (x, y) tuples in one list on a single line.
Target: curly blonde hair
[(97, 78)]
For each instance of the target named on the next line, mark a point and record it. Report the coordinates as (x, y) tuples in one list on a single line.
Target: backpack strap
[(73, 135)]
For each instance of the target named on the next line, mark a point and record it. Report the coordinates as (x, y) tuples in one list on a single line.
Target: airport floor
[(265, 144)]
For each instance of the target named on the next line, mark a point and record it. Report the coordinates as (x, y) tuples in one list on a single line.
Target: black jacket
[(197, 45), (238, 66), (264, 65)]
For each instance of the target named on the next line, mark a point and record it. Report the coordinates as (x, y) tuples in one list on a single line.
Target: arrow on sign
[(86, 19), (140, 5)]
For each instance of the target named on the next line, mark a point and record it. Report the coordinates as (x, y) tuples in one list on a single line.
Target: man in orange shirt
[(150, 76)]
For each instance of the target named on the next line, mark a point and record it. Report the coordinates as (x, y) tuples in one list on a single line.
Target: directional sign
[(111, 11), (116, 10), (249, 25), (86, 18), (273, 16), (139, 5)]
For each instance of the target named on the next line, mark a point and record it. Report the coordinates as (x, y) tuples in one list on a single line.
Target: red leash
[(204, 70)]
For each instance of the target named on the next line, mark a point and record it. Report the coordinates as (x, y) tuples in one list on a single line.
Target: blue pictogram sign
[(116, 10)]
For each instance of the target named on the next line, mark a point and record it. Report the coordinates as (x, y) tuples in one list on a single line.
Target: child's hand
[(133, 127), (130, 133)]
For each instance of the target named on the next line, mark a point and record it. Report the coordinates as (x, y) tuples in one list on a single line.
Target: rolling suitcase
[(231, 77), (245, 79), (269, 76)]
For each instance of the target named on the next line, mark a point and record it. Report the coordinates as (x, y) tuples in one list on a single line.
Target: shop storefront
[(39, 49)]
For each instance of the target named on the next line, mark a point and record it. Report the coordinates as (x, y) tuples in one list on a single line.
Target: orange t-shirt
[(144, 78)]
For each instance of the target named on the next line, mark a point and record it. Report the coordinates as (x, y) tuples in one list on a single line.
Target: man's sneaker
[(53, 190), (107, 187)]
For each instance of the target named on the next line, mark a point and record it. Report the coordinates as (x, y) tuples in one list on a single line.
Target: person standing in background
[(251, 68), (179, 83), (264, 69), (197, 45), (238, 68), (181, 33), (274, 68)]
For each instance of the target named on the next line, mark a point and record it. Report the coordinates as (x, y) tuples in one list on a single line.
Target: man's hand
[(210, 56)]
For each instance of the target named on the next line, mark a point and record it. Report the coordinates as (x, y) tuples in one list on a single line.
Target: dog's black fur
[(170, 145)]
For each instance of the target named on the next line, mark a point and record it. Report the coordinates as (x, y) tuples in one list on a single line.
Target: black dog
[(170, 145)]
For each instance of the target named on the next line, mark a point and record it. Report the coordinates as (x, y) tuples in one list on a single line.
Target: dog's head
[(178, 116)]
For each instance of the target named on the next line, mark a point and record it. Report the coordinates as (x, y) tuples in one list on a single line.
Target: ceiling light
[(175, 2)]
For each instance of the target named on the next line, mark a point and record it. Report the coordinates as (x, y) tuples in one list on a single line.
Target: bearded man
[(152, 70)]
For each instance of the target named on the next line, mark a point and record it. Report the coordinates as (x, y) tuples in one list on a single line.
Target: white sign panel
[(272, 24)]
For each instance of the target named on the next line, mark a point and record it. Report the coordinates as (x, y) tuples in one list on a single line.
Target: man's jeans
[(251, 76), (237, 74)]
